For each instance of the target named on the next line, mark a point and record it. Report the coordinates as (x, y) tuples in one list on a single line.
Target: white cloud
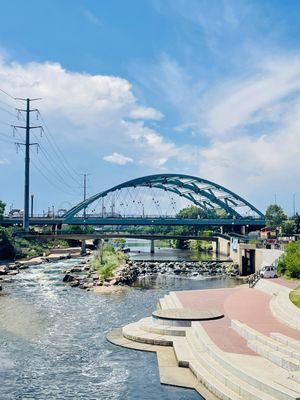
[(117, 158), (4, 161), (89, 110), (91, 17), (146, 113), (236, 103)]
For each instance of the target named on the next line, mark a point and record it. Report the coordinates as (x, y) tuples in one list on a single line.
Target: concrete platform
[(169, 371), (187, 314)]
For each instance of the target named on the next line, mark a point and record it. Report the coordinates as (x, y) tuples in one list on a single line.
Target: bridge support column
[(83, 247), (244, 230), (217, 248), (152, 248)]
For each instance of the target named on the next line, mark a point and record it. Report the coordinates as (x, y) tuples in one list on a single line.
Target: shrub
[(289, 262)]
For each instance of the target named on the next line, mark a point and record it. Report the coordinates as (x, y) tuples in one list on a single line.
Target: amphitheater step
[(169, 301), (282, 388), (135, 333), (276, 357), (270, 344), (221, 374), (176, 300), (290, 342), (150, 325), (162, 304)]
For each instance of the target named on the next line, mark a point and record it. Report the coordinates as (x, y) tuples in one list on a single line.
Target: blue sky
[(130, 88)]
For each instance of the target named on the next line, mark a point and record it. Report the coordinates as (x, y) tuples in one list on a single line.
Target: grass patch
[(106, 260), (295, 296)]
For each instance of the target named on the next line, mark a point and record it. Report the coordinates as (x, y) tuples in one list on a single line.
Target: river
[(52, 339)]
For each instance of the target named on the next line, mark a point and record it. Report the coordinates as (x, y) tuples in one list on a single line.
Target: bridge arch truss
[(206, 195)]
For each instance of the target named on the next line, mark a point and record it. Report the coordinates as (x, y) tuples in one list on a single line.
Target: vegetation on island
[(107, 259)]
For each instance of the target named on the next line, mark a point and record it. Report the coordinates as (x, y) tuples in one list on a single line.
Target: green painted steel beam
[(165, 179)]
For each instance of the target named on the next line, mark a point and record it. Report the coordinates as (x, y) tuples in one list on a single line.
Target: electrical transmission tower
[(27, 145)]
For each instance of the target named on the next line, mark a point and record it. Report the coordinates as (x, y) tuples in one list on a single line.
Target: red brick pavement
[(250, 306)]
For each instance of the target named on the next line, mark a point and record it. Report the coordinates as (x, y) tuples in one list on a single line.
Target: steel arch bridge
[(208, 196)]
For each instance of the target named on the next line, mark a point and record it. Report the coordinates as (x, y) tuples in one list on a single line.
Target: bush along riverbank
[(13, 247)]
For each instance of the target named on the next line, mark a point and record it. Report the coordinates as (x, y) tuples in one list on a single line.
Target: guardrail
[(253, 279)]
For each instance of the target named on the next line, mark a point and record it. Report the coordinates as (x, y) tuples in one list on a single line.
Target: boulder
[(69, 278), (76, 269), (3, 270), (74, 283)]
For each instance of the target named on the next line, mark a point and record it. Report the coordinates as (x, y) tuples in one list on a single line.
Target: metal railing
[(253, 279)]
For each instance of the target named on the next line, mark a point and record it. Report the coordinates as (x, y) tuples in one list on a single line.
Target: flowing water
[(140, 250), (52, 339)]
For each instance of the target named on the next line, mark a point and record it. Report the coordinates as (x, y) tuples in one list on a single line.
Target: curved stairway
[(271, 374)]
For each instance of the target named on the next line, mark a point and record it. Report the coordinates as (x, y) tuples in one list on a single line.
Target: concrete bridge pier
[(152, 248), (83, 247)]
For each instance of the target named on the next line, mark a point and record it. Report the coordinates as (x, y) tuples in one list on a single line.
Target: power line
[(55, 166), (49, 180), (7, 94), (3, 109), (69, 169), (7, 141)]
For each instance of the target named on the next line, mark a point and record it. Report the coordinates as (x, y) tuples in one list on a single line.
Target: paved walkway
[(292, 284), (249, 306)]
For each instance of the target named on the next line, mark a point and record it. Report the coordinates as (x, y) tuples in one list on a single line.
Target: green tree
[(275, 216), (7, 245), (288, 227), (289, 262), (2, 208), (297, 223)]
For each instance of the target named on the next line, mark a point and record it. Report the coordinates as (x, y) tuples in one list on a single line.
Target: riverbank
[(10, 268)]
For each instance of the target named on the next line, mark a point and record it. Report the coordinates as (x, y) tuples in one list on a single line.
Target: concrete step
[(135, 333), (212, 384), (162, 304), (285, 389), (182, 352), (150, 325), (284, 310), (272, 345), (175, 299), (288, 363), (169, 302), (295, 376), (287, 306), (187, 359), (231, 381), (290, 342)]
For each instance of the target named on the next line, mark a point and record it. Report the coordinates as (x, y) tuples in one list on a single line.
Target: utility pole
[(27, 145), (294, 204), (31, 211), (84, 194), (85, 181)]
